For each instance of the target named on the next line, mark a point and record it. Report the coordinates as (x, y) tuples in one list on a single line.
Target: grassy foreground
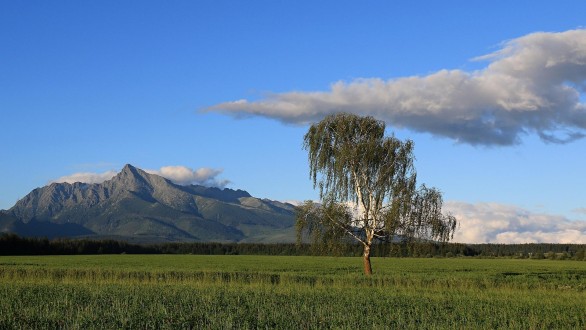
[(224, 292)]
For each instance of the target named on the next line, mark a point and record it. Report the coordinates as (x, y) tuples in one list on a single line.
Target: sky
[(220, 93)]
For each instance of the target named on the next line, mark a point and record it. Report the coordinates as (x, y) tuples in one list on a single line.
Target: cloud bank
[(497, 223), (534, 84), (178, 174), (185, 176)]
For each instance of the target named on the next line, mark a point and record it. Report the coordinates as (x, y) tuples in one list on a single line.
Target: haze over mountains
[(141, 207)]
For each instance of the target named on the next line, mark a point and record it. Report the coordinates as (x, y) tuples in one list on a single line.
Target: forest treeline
[(11, 244)]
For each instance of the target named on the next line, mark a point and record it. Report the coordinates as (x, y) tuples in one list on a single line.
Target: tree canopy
[(368, 189)]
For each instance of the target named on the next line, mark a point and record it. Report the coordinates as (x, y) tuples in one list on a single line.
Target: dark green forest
[(11, 244)]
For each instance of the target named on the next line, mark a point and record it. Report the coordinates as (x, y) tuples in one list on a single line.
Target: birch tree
[(368, 190)]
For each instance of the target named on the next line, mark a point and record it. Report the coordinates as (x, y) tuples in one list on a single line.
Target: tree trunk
[(366, 259)]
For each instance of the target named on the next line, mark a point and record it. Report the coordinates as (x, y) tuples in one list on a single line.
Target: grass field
[(224, 292)]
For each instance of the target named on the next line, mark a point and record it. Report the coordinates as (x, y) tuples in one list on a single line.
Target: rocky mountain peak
[(131, 173), (132, 179), (129, 168)]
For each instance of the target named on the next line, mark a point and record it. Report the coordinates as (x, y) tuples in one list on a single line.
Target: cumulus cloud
[(294, 202), (87, 177), (179, 174), (184, 175), (498, 223), (531, 85)]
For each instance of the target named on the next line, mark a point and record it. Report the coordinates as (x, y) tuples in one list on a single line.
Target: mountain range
[(141, 207)]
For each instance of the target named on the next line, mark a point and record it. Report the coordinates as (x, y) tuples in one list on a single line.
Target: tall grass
[(223, 292)]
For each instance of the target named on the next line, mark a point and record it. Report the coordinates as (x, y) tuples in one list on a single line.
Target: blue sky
[(86, 87)]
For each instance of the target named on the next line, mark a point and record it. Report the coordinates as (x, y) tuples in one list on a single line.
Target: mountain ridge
[(139, 206)]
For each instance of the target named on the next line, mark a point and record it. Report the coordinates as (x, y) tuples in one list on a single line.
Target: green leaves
[(353, 163), (326, 226), (350, 156), (418, 217)]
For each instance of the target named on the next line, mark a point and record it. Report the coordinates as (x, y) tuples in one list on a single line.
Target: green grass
[(223, 292)]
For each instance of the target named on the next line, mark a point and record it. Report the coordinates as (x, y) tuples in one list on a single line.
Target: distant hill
[(141, 207)]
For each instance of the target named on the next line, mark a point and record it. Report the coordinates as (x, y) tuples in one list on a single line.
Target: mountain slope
[(139, 206)]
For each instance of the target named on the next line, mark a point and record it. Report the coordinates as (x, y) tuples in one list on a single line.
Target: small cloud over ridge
[(86, 177), (183, 175)]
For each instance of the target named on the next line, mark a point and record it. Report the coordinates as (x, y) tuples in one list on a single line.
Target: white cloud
[(179, 174), (87, 177), (184, 175), (498, 223), (533, 84), (294, 202)]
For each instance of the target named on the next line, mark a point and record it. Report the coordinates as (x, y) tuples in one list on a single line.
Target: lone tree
[(367, 184)]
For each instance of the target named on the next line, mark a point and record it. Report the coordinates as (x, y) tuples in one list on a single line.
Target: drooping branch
[(352, 162)]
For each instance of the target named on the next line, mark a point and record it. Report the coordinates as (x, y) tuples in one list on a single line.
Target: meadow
[(287, 292)]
